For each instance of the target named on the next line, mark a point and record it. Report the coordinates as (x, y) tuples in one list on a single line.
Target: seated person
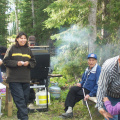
[(88, 83)]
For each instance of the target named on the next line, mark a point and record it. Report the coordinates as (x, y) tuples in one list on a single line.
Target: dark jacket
[(90, 80), (14, 72)]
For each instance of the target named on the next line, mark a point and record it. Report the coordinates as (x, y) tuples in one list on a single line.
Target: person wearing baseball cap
[(87, 85), (92, 55)]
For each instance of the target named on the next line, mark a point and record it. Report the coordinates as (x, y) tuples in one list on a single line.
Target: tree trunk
[(16, 14), (92, 24), (33, 13)]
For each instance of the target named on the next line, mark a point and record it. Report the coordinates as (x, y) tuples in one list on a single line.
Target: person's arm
[(7, 60), (32, 61), (86, 97), (113, 110), (105, 114)]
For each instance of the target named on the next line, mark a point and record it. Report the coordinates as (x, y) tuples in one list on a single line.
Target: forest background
[(73, 27)]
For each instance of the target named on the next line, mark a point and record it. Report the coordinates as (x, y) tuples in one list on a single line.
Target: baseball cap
[(92, 55)]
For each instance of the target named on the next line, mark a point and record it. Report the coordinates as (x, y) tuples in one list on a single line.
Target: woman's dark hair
[(18, 36)]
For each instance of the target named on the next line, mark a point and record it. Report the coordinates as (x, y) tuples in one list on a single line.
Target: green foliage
[(25, 16), (71, 55), (67, 12), (113, 12), (26, 20), (3, 22), (73, 71), (70, 63), (60, 80), (108, 16), (2, 40)]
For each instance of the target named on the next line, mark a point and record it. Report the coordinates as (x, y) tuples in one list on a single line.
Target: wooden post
[(10, 107), (8, 100), (10, 104)]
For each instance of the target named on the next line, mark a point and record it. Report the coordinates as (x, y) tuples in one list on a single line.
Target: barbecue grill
[(39, 74)]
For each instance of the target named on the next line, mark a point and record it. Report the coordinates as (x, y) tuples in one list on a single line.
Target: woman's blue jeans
[(114, 101)]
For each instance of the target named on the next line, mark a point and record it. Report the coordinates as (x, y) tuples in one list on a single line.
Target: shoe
[(62, 117), (31, 105), (68, 115)]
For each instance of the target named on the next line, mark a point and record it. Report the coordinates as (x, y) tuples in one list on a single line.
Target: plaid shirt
[(109, 81)]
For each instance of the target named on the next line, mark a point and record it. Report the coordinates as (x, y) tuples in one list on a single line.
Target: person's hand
[(26, 63), (105, 99), (79, 84), (19, 63), (1, 62), (86, 97), (105, 114)]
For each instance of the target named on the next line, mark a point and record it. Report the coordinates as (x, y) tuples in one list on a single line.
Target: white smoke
[(79, 37), (74, 37)]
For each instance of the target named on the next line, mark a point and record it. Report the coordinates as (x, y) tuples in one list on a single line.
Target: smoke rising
[(74, 44)]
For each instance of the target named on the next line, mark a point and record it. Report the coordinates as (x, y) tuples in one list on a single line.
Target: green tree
[(31, 19), (3, 22), (108, 29), (67, 12), (108, 21)]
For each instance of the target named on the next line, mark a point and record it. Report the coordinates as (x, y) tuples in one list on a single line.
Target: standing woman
[(18, 61)]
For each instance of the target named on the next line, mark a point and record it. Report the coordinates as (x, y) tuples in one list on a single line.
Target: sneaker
[(31, 105), (68, 115), (62, 117)]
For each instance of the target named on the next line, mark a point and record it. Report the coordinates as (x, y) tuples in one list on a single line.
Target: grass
[(56, 109)]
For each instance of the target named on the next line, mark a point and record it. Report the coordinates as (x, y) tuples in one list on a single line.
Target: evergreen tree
[(3, 22), (32, 22)]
